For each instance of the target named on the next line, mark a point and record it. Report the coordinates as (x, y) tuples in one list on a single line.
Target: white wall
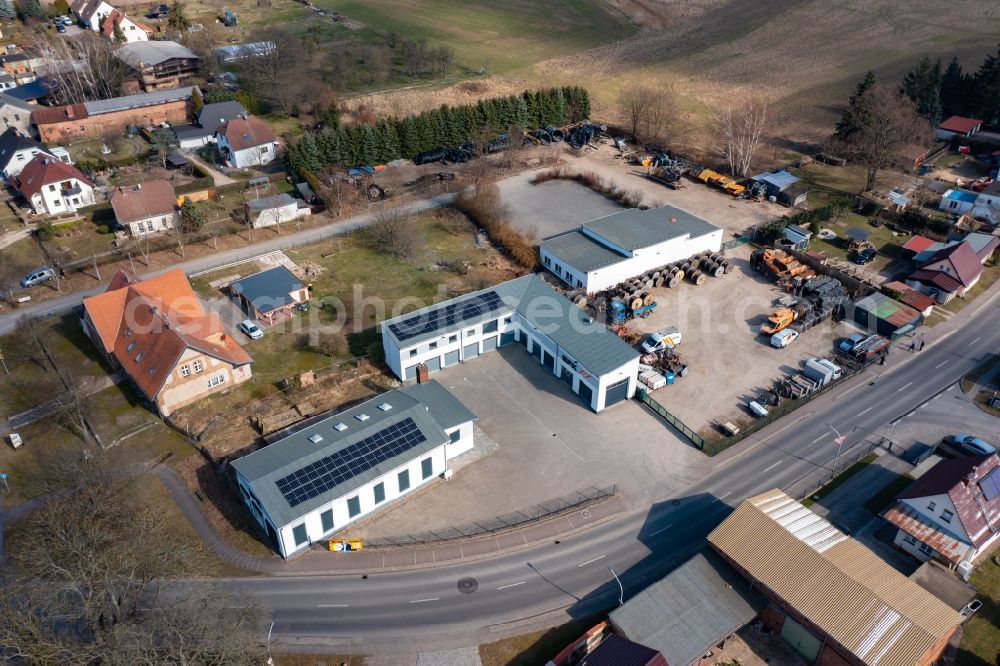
[(52, 201), (273, 216), (402, 361), (954, 205), (464, 442), (911, 548), (18, 161), (152, 225), (255, 156)]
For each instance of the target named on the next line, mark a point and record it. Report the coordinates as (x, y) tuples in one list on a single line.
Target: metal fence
[(813, 480), (539, 512), (736, 242), (692, 436)]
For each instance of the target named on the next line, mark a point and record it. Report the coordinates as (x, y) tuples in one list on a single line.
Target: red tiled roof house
[(951, 271), (951, 513), (145, 208), (51, 186), (958, 126), (131, 31), (157, 332), (246, 141)]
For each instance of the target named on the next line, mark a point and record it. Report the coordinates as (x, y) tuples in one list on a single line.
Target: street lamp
[(621, 589), (840, 443)]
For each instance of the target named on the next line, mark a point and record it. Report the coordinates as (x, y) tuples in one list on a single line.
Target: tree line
[(393, 138), (941, 91)]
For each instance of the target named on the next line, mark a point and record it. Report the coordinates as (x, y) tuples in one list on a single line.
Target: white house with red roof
[(131, 31), (951, 513), (246, 141), (90, 12), (958, 126), (52, 186), (954, 269)]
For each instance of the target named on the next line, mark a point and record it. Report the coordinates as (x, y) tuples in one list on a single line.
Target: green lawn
[(980, 644), (839, 480), (123, 149), (989, 276), (882, 238)]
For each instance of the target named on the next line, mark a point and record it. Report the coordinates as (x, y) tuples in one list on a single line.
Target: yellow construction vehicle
[(780, 320)]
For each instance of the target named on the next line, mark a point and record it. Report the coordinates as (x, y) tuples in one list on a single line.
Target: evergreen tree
[(558, 107), (583, 104), (427, 138), (177, 18), (408, 141), (521, 115), (117, 36), (531, 102), (954, 90), (851, 122), (30, 9), (388, 141), (367, 146), (486, 114), (309, 155), (923, 85), (328, 143), (348, 136), (7, 10), (986, 87)]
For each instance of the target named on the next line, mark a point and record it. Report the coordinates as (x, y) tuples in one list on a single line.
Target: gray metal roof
[(589, 342), (268, 290), (152, 52), (14, 101), (633, 228), (693, 608), (212, 116), (580, 251), (445, 407), (273, 201), (138, 101), (264, 467)]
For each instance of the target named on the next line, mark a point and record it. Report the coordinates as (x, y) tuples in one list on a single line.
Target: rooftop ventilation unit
[(315, 439), (340, 427), (362, 417)]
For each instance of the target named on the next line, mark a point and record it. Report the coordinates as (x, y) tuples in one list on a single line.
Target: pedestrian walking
[(913, 346), (921, 346)]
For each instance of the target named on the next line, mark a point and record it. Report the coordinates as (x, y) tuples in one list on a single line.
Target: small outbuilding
[(857, 238), (274, 209), (270, 295), (798, 237), (783, 186), (958, 126), (957, 201), (885, 316)]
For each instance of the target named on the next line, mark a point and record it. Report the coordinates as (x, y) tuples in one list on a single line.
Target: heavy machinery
[(361, 179), (781, 319), (779, 264), (724, 183), (620, 312)]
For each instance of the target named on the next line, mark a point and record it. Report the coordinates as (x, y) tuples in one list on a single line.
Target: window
[(198, 366), (947, 515), (452, 338), (76, 201), (404, 480), (379, 491), (131, 346), (57, 203), (215, 381), (185, 371), (558, 269), (326, 518), (925, 549), (263, 149), (353, 506), (299, 533), (432, 345), (548, 262), (910, 540), (579, 283), (427, 467), (931, 506), (52, 188), (17, 117), (491, 326), (413, 352), (455, 436), (507, 320), (471, 331)]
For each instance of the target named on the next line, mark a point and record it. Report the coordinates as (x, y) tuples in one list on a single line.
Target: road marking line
[(504, 587), (599, 557), (975, 341), (662, 529), (420, 601), (904, 387), (774, 465), (331, 605), (865, 411), (940, 364), (726, 495), (823, 436)]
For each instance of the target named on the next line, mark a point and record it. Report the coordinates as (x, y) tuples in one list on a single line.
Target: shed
[(270, 295), (958, 126), (795, 194), (885, 316), (920, 302), (798, 236), (957, 201), (275, 209)]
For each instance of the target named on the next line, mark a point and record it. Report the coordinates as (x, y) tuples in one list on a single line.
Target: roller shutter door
[(523, 341), (489, 344), (549, 361), (507, 338), (433, 364), (587, 393), (538, 351), (616, 393), (451, 358), (470, 351), (800, 639), (410, 372)]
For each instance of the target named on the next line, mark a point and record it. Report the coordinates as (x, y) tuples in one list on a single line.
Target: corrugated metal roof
[(268, 290), (934, 534), (138, 101), (695, 607), (840, 586), (779, 179), (153, 52)]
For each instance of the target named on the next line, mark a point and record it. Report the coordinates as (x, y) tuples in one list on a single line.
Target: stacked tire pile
[(638, 291)]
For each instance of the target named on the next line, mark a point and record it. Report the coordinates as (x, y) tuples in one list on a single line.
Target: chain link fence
[(534, 514), (810, 482)]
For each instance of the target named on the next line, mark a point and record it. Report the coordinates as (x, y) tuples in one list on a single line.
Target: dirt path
[(218, 177)]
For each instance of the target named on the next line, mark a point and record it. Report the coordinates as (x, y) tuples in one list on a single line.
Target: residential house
[(210, 118), (107, 117), (987, 204), (51, 186), (159, 65), (920, 302), (157, 333), (270, 295), (246, 141), (38, 90), (954, 269), (326, 472), (16, 150), (129, 29), (15, 113), (952, 512), (90, 12), (21, 65), (833, 600), (7, 81), (145, 208), (958, 126), (275, 209), (957, 201)]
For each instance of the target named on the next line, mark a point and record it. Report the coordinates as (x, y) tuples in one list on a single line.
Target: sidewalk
[(12, 237)]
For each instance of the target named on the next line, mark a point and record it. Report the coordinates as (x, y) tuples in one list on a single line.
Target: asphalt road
[(428, 609)]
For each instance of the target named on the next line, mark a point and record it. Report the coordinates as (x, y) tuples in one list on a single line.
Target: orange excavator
[(779, 264)]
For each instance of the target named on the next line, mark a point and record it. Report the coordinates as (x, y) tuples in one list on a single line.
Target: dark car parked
[(865, 256)]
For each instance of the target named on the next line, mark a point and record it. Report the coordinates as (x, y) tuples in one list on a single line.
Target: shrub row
[(483, 206), (627, 198)]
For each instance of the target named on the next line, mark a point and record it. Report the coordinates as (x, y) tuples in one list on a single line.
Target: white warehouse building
[(319, 475), (595, 363), (611, 249)]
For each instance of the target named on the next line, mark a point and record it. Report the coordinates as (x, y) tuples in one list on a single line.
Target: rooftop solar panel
[(455, 312), (328, 472), (990, 484)]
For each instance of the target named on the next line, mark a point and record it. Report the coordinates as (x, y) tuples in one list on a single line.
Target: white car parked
[(252, 330), (783, 338), (759, 410)]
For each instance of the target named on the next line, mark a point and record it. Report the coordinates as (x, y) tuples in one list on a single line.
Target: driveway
[(550, 445), (218, 177)]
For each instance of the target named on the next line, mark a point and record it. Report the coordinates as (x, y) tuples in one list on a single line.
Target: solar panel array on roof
[(990, 484), (318, 477), (455, 312)]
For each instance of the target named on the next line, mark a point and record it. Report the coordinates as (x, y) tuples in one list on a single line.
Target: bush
[(332, 344), (104, 229), (45, 230), (393, 233), (482, 205), (626, 198)]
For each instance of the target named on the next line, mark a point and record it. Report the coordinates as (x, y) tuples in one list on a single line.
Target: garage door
[(523, 341), (451, 358), (616, 393), (470, 351), (549, 361), (433, 364), (410, 372), (489, 344), (587, 393), (538, 351), (507, 338), (800, 639)]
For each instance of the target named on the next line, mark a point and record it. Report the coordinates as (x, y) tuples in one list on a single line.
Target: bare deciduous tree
[(740, 130), (634, 102), (392, 232), (274, 72), (84, 67)]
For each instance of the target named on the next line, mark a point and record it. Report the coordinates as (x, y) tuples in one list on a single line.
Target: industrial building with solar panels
[(594, 362), (314, 478)]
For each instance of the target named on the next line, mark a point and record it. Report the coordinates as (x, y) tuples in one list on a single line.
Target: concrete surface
[(550, 444), (948, 413), (553, 207)]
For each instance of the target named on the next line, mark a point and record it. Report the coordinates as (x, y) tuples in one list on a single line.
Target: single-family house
[(833, 600), (322, 474), (210, 118), (918, 244), (90, 12), (128, 29), (957, 126), (21, 64), (270, 295), (145, 208), (51, 186), (957, 201), (157, 332), (274, 209), (954, 269), (952, 512), (16, 150), (246, 141), (159, 64), (15, 113)]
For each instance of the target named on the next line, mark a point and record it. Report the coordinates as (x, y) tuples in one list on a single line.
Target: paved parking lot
[(553, 207), (549, 444)]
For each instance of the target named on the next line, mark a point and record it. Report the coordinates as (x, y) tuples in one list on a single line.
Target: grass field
[(980, 644)]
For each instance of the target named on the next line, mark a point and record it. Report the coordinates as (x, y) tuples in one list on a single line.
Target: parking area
[(728, 359), (548, 445), (552, 207)]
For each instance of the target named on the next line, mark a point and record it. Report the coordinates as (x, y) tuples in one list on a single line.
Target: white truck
[(822, 371), (665, 338)]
